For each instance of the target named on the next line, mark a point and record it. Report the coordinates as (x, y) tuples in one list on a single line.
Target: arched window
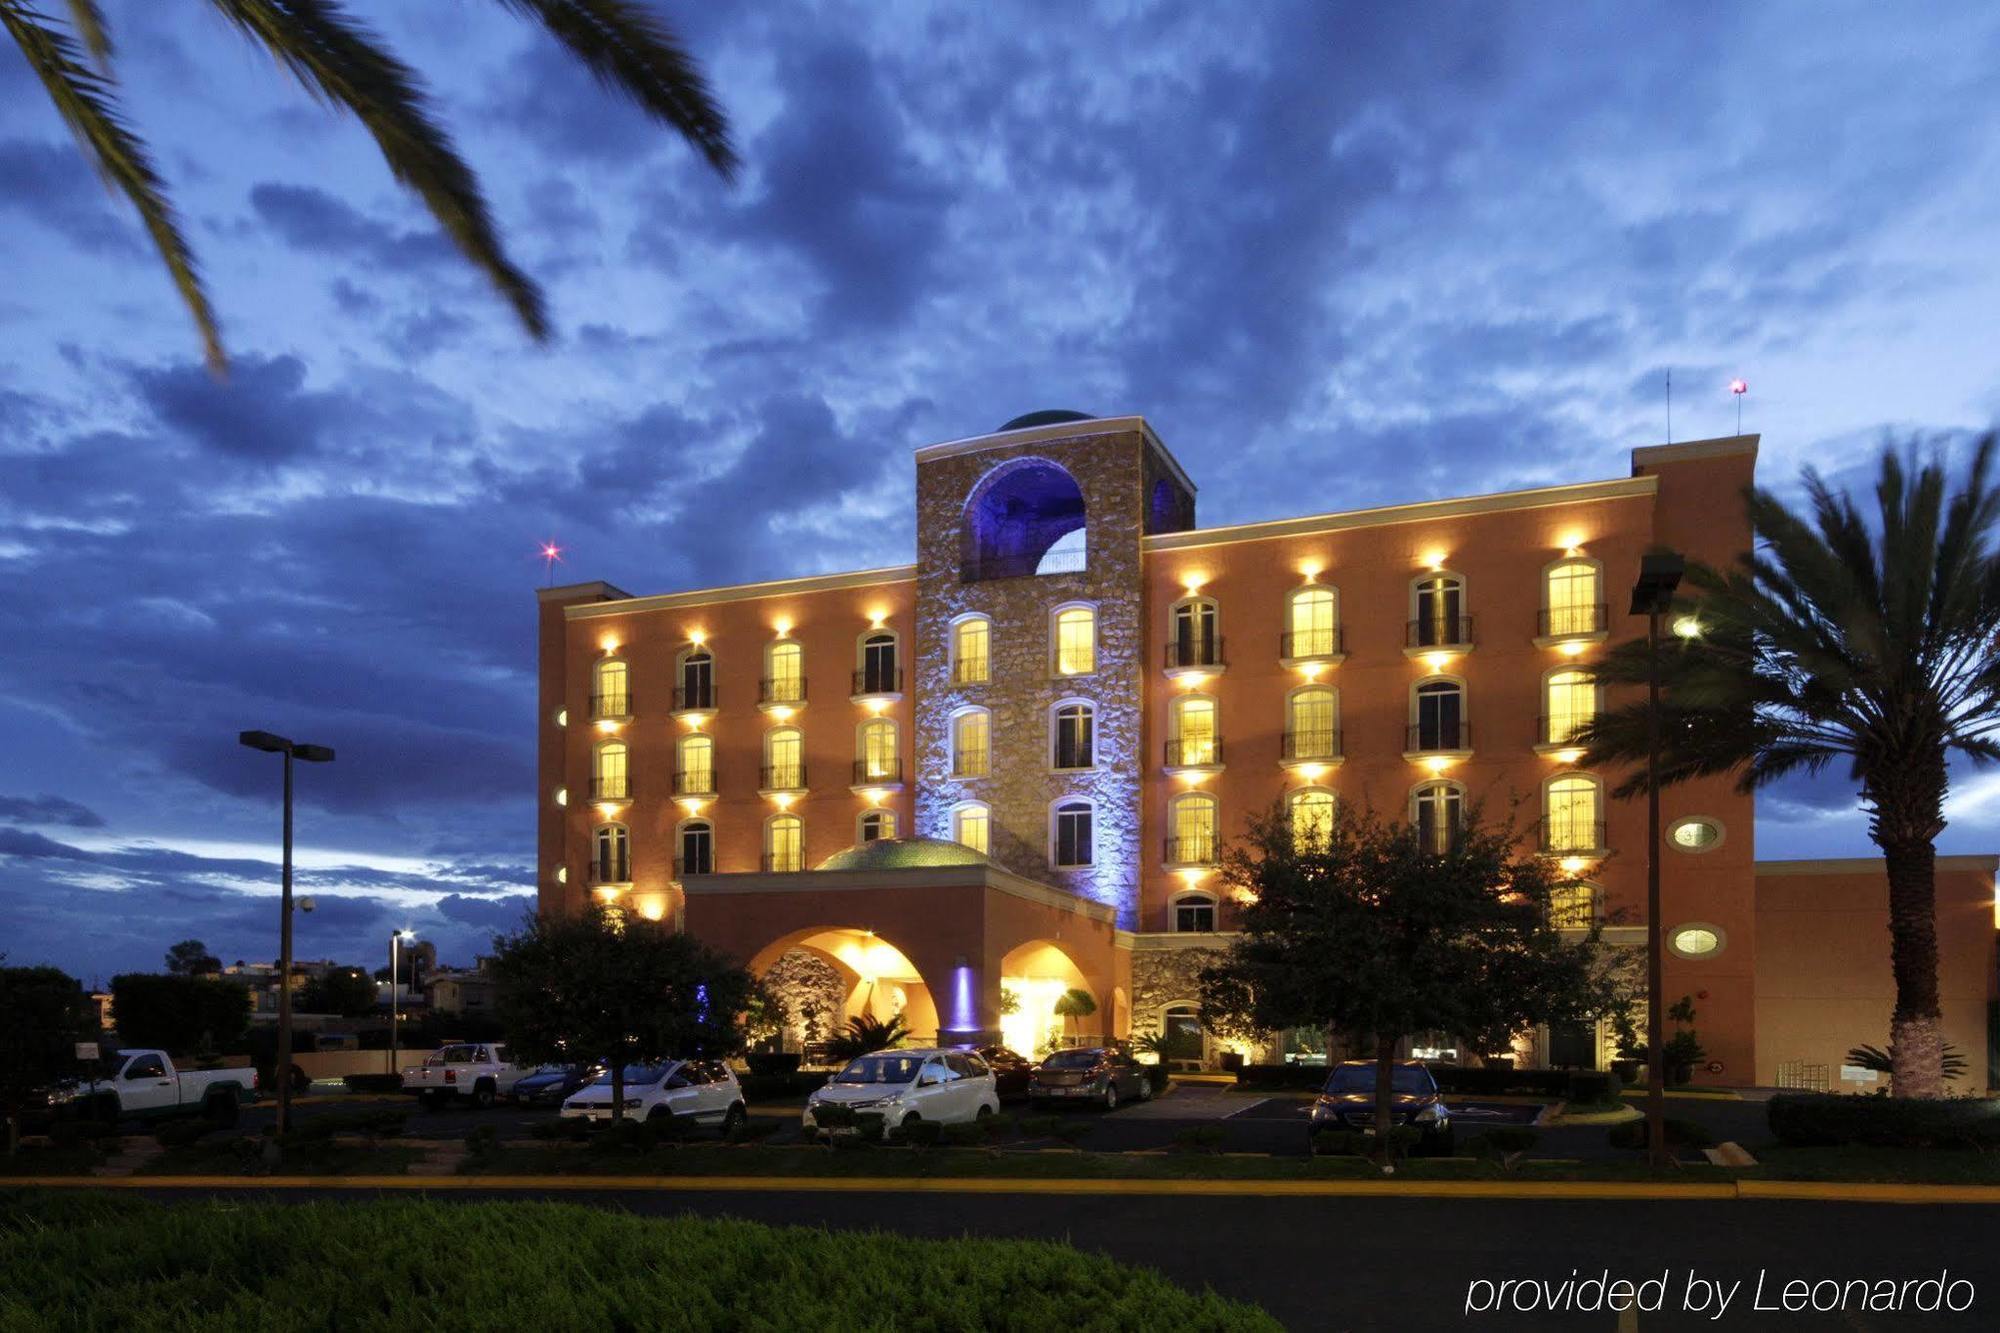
[(1439, 619), (1439, 721), (972, 651), (696, 690), (784, 844), (784, 673), (1075, 646), (1194, 912), (1075, 736), (1438, 811), (610, 692), (1181, 1038), (694, 765), (1193, 735), (1191, 821), (877, 755), (1574, 603), (1025, 517), (1312, 625), (880, 672), (971, 743), (971, 825), (611, 855), (609, 780), (784, 760), (877, 825), (1570, 699), (697, 849), (1312, 723), (1196, 641), (1575, 814), (1310, 810), (1573, 906), (1073, 843)]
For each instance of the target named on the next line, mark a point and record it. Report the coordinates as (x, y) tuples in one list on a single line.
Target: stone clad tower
[(1043, 517)]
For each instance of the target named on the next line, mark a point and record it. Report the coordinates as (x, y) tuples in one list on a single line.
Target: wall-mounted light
[(1434, 560), (782, 799), (1311, 670), (562, 795), (873, 795), (607, 725), (1312, 772), (1310, 569), (877, 617), (782, 625), (1567, 756), (1437, 661), (697, 637), (1574, 648), (1194, 581), (609, 643), (694, 805), (782, 714), (1572, 865), (1193, 875), (1571, 542), (875, 706), (1437, 763)]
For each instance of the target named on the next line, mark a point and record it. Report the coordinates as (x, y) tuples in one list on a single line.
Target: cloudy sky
[(1409, 251)]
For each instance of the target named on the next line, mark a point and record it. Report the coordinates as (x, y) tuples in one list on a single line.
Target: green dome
[(903, 854), (1048, 416)]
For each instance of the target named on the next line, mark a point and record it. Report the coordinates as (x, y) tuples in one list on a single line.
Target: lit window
[(1574, 809), (1195, 642), (1573, 601), (1440, 620), (1075, 736), (971, 825), (1695, 834), (878, 760), (971, 737), (1311, 813), (611, 862), (784, 760), (1440, 722), (971, 651), (1312, 626), (1073, 845), (694, 765), (610, 695), (878, 825), (1699, 940), (1312, 729), (784, 673), (697, 851), (1191, 732), (879, 673), (1439, 815), (1573, 906), (609, 781), (784, 843), (1192, 819), (1572, 705), (1194, 912), (1076, 641)]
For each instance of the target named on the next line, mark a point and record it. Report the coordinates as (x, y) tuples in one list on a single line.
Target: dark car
[(1011, 1070), (1347, 1102), (1101, 1074), (551, 1085)]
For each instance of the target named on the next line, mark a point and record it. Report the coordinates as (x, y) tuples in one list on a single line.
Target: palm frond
[(87, 17)]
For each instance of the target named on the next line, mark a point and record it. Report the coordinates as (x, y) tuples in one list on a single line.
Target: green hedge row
[(1820, 1120), (1575, 1085)]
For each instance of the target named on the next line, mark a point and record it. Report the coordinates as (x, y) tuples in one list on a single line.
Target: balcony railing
[(971, 763), (783, 690), (1202, 752), (699, 865), (1306, 745), (1573, 911), (611, 789), (699, 782), (1192, 851), (880, 680), (1569, 837), (1439, 632), (1554, 622), (611, 707), (1195, 652), (781, 777), (1305, 645), (698, 699), (783, 863), (1559, 730), (877, 770), (613, 872), (1432, 737), (971, 671)]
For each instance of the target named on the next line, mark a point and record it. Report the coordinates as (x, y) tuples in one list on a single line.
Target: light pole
[(316, 754), (395, 1023), (1653, 597)]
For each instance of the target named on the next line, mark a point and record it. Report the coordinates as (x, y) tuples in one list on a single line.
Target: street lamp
[(1652, 597), (395, 1025), (271, 743)]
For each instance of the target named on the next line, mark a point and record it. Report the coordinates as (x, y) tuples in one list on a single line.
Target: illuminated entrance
[(876, 978), (1038, 981)]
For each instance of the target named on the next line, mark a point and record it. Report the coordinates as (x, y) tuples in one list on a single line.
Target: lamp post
[(395, 1012), (1653, 597), (316, 754)]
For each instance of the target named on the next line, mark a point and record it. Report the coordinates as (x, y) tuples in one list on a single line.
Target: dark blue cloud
[(48, 810)]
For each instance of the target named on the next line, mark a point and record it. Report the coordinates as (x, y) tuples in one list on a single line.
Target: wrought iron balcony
[(1440, 632), (1559, 730), (1202, 752), (700, 865), (700, 782), (611, 789), (971, 671), (699, 699), (971, 763), (1312, 645), (783, 690), (1561, 622), (1438, 737), (611, 707), (782, 777), (1192, 851), (782, 863), (1573, 837), (883, 772), (1195, 654), (610, 872), (878, 680), (1319, 746)]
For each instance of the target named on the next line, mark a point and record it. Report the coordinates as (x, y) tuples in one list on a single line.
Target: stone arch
[(1015, 514), (878, 978), (1037, 972)]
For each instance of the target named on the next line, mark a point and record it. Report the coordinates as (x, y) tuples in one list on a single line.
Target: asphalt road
[(1411, 1264)]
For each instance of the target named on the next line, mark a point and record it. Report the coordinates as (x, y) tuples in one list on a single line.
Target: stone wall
[(1161, 977)]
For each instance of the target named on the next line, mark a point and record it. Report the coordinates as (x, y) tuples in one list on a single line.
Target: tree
[(1368, 931), (191, 958), (348, 991), (181, 1015), (43, 1014), (865, 1033), (1075, 1003), (340, 62), (621, 989), (1862, 639)]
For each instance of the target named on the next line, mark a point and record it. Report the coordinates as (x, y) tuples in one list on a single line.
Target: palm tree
[(340, 62), (1863, 639)]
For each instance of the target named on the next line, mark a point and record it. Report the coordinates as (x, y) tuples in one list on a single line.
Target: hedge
[(1575, 1085), (97, 1261), (1825, 1120), (1680, 1134)]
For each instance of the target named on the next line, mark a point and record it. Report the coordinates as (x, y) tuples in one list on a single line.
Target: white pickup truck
[(479, 1072), (146, 1086)]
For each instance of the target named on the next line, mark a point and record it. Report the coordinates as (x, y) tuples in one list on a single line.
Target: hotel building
[(969, 785)]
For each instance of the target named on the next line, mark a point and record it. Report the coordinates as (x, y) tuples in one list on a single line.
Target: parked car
[(703, 1091), (1347, 1102), (908, 1086), (551, 1085), (1010, 1069), (1103, 1074), (478, 1072), (145, 1085)]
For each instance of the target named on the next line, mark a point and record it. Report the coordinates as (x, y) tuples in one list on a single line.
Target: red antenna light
[(551, 556), (1739, 387)]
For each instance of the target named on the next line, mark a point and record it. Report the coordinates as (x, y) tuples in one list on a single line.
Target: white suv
[(906, 1086), (704, 1092)]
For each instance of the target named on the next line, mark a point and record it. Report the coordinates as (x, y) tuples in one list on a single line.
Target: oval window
[(1695, 941), (1697, 834)]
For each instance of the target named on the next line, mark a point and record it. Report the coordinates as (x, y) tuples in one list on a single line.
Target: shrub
[(1039, 1126), (573, 1130), (923, 1133), (483, 1141), (1680, 1134), (1590, 1086), (998, 1126), (1158, 1075), (1812, 1120), (1505, 1143), (623, 1136), (70, 1133), (1071, 1129), (1353, 1143), (966, 1133), (1199, 1138), (367, 1124), (753, 1127), (183, 1133)]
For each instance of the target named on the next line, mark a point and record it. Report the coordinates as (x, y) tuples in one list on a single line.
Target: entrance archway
[(1033, 977), (876, 977)]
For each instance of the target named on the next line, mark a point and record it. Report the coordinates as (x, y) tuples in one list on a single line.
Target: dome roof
[(1048, 416), (903, 854)]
